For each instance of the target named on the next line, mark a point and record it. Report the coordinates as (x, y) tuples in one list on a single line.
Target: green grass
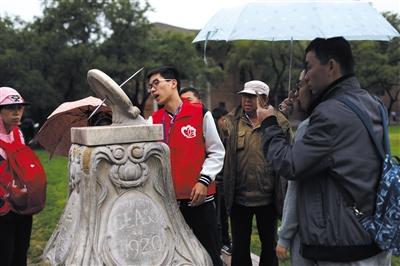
[(394, 133), (45, 222)]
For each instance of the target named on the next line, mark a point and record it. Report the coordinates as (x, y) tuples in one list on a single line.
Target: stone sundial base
[(121, 208)]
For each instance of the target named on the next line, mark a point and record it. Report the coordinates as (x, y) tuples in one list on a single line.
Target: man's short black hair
[(218, 112), (167, 72), (336, 48), (195, 92)]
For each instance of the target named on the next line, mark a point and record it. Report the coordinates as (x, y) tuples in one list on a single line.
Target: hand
[(286, 106), (264, 112), (281, 253), (223, 127), (199, 193)]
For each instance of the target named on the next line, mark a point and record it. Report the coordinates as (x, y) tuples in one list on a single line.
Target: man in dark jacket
[(335, 163)]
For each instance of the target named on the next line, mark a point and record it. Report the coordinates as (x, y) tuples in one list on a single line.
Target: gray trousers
[(381, 259), (295, 258)]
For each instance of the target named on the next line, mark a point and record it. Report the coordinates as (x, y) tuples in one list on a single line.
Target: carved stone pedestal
[(121, 208)]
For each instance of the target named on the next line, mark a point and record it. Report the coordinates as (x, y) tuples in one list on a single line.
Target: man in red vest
[(197, 155)]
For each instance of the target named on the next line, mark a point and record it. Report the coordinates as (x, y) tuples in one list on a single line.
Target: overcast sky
[(191, 14)]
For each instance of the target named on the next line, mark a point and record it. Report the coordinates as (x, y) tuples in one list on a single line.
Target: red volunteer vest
[(184, 136)]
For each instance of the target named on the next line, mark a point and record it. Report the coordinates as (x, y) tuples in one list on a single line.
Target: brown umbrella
[(55, 134)]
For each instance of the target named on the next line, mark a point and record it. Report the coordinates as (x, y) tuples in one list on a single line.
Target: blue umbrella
[(278, 21)]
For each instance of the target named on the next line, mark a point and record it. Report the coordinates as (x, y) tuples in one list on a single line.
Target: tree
[(175, 48), (47, 60), (53, 54), (69, 31), (127, 47), (20, 55), (378, 64), (266, 61)]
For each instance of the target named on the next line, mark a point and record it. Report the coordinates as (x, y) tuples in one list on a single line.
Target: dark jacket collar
[(329, 91)]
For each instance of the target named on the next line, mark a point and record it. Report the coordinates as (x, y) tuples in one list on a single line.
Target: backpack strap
[(10, 152), (366, 120), (4, 145), (17, 138), (16, 134)]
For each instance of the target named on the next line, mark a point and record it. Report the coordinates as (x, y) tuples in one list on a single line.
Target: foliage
[(68, 33), (47, 59), (267, 61), (127, 48), (394, 132), (192, 69), (377, 63)]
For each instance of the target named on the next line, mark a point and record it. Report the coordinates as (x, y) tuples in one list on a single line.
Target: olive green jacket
[(229, 131)]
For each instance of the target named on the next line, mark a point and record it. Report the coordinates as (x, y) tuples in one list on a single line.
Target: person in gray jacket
[(288, 237), (335, 164)]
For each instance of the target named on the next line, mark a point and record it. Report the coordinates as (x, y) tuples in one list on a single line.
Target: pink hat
[(10, 96)]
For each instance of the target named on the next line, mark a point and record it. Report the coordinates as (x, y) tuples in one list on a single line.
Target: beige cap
[(255, 87)]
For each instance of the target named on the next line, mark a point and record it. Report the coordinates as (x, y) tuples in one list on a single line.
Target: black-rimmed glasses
[(155, 83)]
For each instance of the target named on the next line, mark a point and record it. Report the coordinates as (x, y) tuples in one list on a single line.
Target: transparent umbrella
[(279, 21)]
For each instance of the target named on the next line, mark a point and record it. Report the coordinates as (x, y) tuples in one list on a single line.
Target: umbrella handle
[(290, 63), (205, 48)]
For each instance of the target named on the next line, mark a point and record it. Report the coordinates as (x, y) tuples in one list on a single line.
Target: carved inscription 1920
[(138, 231)]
